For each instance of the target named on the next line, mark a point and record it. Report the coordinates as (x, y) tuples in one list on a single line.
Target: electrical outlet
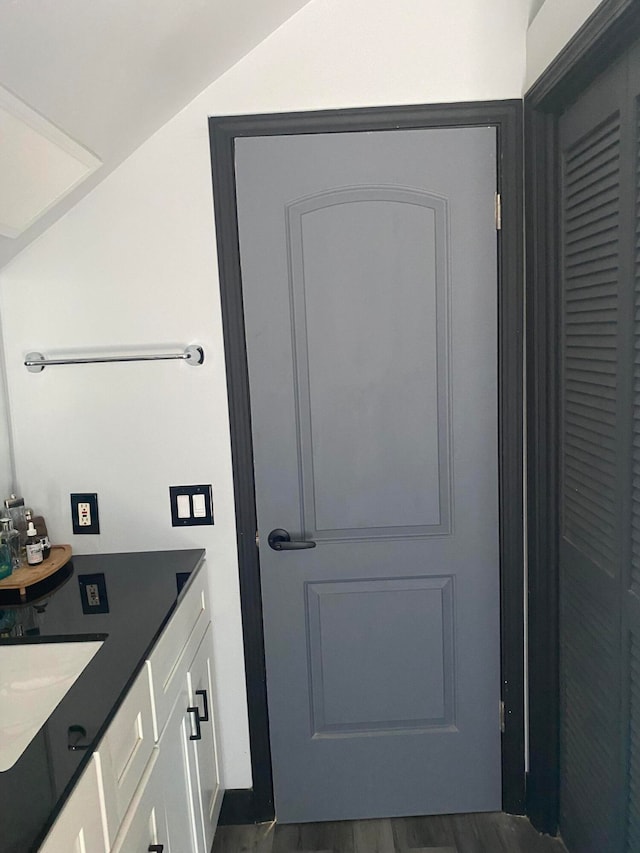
[(84, 513), (93, 593)]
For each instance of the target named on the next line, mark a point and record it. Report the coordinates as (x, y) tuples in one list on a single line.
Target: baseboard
[(237, 807)]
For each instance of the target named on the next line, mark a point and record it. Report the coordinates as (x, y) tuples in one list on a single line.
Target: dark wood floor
[(474, 833)]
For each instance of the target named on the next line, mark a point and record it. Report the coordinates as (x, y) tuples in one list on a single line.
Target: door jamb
[(610, 30), (256, 804)]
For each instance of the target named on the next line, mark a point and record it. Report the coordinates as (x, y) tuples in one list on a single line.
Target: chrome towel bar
[(35, 362)]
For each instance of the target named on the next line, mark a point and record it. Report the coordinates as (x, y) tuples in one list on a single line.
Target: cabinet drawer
[(144, 824), (125, 750), (176, 647), (79, 827)]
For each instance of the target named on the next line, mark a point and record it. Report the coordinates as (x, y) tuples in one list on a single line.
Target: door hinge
[(257, 539), (498, 212), (502, 719)]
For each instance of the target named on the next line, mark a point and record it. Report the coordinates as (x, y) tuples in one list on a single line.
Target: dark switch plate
[(187, 494)]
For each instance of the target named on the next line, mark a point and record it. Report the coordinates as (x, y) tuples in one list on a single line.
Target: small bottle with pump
[(10, 537), (34, 546)]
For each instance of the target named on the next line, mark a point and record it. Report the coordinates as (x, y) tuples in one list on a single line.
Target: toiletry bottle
[(10, 537), (15, 509), (34, 546), (43, 536), (5, 561)]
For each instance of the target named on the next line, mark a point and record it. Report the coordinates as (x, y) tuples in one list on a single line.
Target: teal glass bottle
[(6, 566)]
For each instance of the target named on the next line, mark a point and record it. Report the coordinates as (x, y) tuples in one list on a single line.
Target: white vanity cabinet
[(156, 770)]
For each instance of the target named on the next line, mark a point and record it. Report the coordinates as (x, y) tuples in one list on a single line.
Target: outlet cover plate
[(191, 519), (92, 499), (93, 593)]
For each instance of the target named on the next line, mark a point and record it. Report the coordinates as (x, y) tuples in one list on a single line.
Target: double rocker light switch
[(184, 506), (191, 505)]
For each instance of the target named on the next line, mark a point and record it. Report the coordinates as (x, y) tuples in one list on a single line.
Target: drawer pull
[(155, 848), (204, 717), (196, 717)]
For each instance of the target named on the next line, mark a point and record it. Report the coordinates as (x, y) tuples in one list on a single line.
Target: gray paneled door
[(370, 292)]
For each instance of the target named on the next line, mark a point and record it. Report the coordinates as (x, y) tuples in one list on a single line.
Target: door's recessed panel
[(368, 295), (367, 633)]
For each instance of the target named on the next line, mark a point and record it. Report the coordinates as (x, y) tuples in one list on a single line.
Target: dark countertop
[(142, 592)]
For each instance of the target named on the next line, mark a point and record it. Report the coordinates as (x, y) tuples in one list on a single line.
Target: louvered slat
[(590, 319), (633, 799), (635, 487)]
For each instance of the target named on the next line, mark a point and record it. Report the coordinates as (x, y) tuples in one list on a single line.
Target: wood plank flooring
[(473, 833)]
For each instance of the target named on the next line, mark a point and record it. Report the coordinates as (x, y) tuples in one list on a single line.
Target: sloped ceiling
[(534, 8), (109, 73)]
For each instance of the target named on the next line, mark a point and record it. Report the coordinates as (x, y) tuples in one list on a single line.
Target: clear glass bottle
[(10, 537), (15, 509)]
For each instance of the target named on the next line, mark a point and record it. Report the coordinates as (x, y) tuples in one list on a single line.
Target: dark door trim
[(613, 27), (506, 116)]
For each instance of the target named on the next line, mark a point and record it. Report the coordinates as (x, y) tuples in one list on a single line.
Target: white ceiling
[(111, 72)]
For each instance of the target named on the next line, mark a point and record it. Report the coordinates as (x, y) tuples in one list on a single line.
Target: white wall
[(555, 24), (134, 264), (6, 457)]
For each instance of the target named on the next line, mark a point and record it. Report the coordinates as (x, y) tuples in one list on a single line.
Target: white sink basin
[(34, 678)]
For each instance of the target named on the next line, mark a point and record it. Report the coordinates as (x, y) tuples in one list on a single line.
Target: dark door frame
[(612, 28), (256, 804)]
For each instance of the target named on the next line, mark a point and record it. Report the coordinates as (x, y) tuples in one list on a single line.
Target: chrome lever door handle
[(280, 540)]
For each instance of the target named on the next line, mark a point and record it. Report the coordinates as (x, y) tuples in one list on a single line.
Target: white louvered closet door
[(600, 466)]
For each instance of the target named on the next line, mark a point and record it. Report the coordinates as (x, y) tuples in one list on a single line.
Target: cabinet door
[(205, 776), (79, 828), (125, 751), (176, 757), (176, 647)]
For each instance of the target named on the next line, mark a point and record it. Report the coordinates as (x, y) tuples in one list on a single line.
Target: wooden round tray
[(26, 576)]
